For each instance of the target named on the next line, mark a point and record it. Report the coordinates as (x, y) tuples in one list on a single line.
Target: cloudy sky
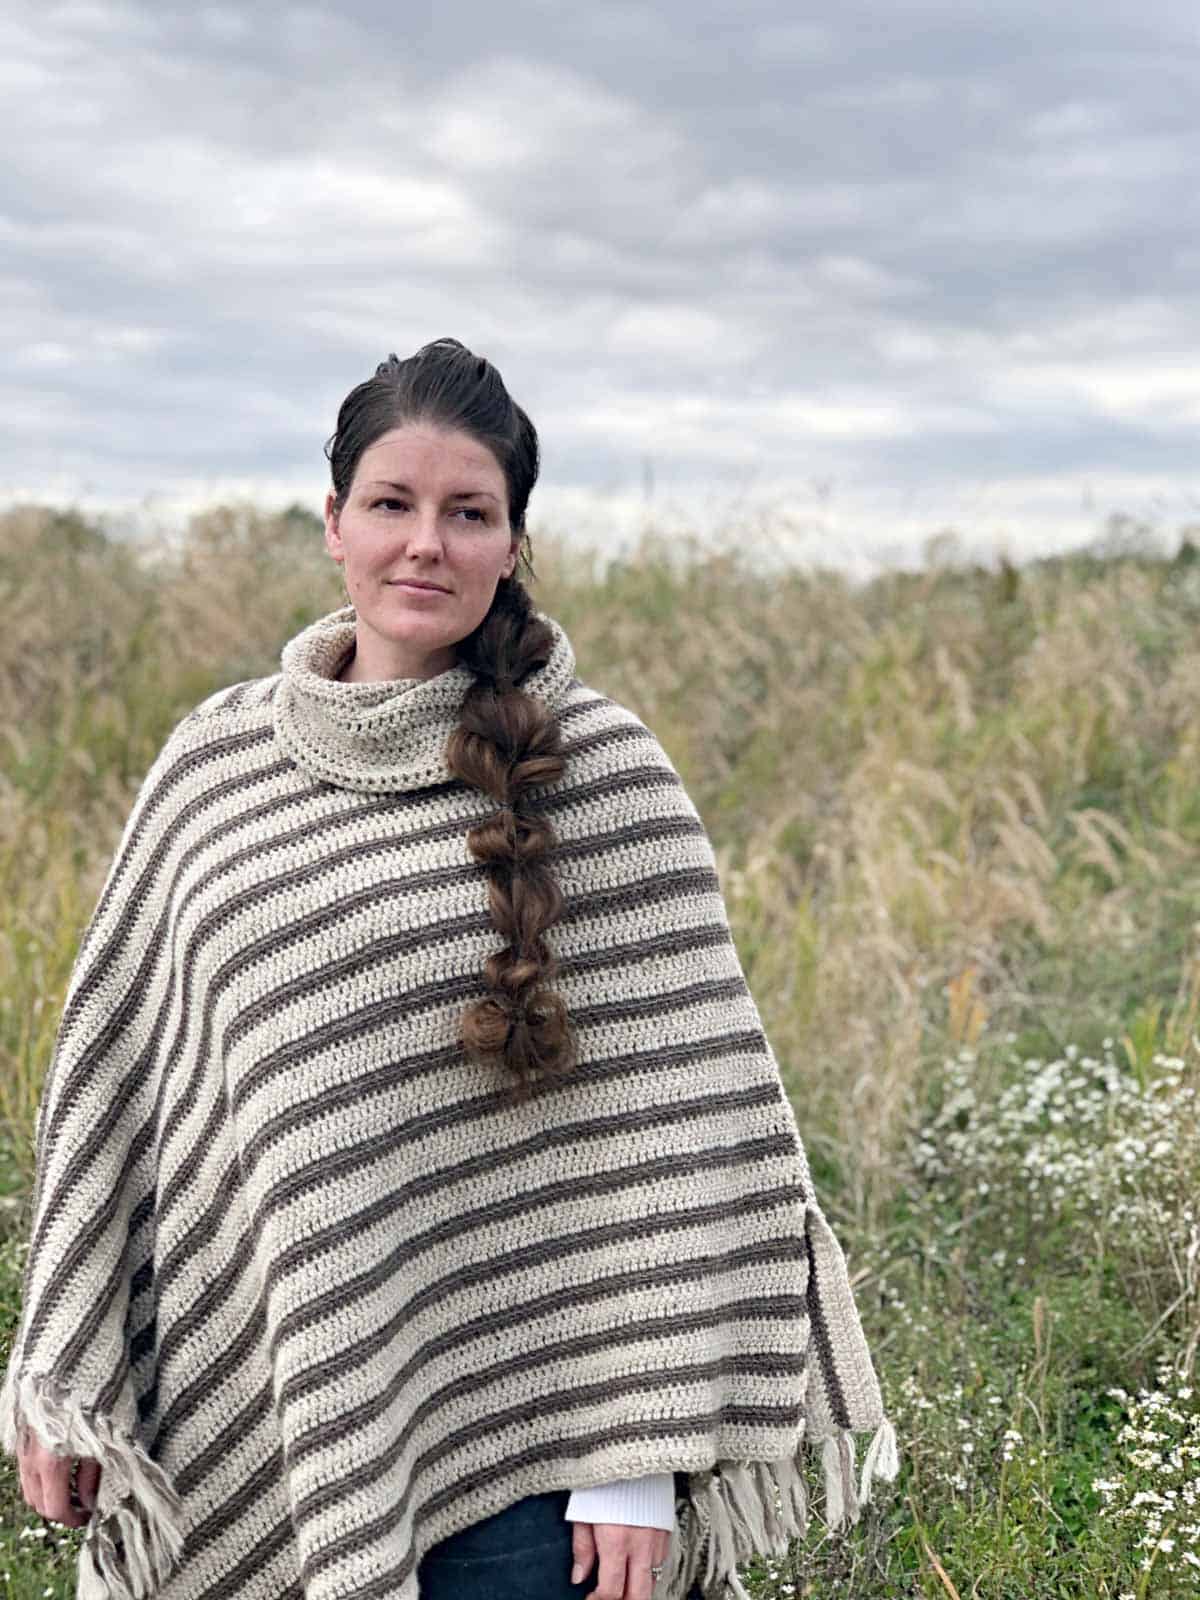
[(835, 278)]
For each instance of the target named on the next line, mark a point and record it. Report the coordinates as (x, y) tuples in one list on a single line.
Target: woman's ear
[(333, 539)]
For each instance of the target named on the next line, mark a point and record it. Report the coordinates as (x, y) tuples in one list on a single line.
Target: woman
[(418, 1208)]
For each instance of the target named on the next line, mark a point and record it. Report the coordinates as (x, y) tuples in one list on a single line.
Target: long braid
[(507, 743)]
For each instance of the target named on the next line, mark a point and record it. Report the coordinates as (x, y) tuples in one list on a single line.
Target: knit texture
[(302, 1279), (645, 1502)]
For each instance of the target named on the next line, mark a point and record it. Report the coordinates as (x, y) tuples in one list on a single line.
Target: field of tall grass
[(957, 819)]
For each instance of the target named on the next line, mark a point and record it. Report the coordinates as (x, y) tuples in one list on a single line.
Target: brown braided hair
[(507, 742)]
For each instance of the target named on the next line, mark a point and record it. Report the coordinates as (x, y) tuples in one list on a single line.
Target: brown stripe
[(66, 1358), (820, 1334), (266, 1549), (216, 1288), (603, 739), (266, 691), (215, 1452), (248, 1495), (231, 1360), (233, 697)]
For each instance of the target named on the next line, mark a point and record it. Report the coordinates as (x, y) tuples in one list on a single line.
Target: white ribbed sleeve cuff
[(647, 1502)]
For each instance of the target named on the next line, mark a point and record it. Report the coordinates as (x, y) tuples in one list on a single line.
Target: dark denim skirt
[(520, 1553)]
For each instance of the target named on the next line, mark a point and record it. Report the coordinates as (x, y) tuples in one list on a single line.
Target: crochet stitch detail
[(387, 735)]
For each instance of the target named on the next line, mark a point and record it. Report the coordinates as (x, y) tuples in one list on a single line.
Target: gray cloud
[(934, 256)]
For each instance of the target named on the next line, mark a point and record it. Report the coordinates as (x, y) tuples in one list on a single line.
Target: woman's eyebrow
[(459, 494)]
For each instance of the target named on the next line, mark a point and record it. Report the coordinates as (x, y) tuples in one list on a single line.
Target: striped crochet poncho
[(305, 1282)]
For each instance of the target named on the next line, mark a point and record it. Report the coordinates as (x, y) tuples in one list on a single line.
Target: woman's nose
[(425, 531)]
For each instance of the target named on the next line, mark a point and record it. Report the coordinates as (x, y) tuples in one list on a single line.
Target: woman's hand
[(46, 1482), (626, 1556)]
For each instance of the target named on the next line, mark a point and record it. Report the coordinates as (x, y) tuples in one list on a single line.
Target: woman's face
[(428, 503)]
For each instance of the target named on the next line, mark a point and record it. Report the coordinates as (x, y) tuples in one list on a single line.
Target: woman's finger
[(643, 1553), (35, 1462), (610, 1574), (583, 1551), (25, 1467)]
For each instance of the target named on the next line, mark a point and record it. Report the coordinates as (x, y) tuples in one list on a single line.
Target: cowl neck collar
[(389, 734)]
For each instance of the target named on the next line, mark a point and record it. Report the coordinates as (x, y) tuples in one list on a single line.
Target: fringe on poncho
[(301, 1278)]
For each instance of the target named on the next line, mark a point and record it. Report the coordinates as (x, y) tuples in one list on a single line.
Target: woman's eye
[(472, 511)]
